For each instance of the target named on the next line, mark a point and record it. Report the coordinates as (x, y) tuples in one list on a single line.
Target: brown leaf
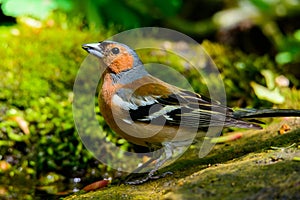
[(227, 138), (96, 185)]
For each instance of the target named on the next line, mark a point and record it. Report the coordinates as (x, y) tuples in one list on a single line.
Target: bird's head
[(116, 56)]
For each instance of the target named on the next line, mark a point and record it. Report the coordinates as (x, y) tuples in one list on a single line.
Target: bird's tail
[(247, 118), (252, 113)]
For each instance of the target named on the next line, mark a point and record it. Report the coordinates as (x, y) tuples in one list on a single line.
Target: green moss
[(244, 169), (38, 69), (38, 63)]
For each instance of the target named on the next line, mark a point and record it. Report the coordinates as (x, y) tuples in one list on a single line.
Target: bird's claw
[(147, 178)]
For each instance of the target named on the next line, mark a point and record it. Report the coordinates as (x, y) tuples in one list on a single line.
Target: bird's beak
[(94, 48)]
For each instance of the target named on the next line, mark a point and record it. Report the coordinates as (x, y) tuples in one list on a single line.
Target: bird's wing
[(159, 103)]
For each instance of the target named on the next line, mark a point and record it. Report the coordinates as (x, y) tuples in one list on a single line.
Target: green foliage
[(267, 15), (238, 70), (34, 8), (97, 13), (270, 93), (37, 72), (289, 49), (122, 15)]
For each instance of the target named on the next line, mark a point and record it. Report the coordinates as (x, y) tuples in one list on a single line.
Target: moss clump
[(38, 69)]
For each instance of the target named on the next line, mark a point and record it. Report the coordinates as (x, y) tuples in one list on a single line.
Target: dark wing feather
[(186, 109)]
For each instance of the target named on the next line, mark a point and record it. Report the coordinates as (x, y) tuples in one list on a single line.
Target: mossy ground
[(260, 165)]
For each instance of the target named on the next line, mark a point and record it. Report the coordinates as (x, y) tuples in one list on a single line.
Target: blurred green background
[(255, 44)]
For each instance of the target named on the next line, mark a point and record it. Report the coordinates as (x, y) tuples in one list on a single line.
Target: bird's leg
[(167, 154), (137, 170)]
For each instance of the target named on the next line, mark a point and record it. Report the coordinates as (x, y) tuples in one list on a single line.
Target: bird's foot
[(150, 176)]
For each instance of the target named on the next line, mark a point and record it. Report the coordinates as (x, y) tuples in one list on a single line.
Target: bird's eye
[(115, 50)]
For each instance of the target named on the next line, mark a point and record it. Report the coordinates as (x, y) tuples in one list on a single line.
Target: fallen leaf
[(96, 185), (227, 138)]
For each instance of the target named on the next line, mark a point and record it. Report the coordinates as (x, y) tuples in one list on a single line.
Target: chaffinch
[(149, 112)]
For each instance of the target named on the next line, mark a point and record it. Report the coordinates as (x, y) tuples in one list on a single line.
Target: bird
[(149, 112)]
